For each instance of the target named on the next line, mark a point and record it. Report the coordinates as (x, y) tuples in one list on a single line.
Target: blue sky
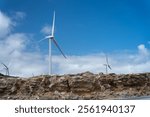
[(83, 27)]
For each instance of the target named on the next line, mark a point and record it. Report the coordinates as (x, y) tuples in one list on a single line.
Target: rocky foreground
[(76, 86)]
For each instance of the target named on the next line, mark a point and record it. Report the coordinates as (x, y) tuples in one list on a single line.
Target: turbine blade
[(109, 67), (10, 61), (53, 25), (59, 48), (11, 51), (6, 68), (4, 65), (107, 59), (42, 39)]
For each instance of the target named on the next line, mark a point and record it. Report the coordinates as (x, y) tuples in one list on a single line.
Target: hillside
[(75, 86)]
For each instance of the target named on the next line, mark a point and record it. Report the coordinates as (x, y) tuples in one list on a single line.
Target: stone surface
[(75, 86)]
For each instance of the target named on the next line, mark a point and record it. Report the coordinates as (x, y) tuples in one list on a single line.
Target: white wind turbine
[(107, 65), (51, 39), (6, 68)]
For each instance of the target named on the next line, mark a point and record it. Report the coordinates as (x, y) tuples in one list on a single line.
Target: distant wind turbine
[(6, 68), (51, 39), (107, 64)]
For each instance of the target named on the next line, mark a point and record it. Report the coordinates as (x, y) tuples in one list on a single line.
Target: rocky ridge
[(75, 86)]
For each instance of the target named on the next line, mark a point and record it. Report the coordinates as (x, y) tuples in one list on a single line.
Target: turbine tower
[(107, 65), (51, 38)]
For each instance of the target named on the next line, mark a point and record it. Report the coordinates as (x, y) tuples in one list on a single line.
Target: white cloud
[(94, 63), (19, 61), (16, 41), (75, 64), (14, 50), (46, 29), (5, 25), (142, 49)]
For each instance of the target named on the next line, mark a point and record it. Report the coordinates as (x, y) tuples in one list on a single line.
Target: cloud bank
[(21, 62)]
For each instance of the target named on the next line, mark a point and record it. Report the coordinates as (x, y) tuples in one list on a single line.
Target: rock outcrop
[(75, 86)]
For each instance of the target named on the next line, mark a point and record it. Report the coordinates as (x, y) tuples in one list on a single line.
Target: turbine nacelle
[(49, 37)]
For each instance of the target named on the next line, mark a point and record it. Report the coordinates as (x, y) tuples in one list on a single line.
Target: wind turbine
[(51, 39), (107, 65), (6, 68)]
